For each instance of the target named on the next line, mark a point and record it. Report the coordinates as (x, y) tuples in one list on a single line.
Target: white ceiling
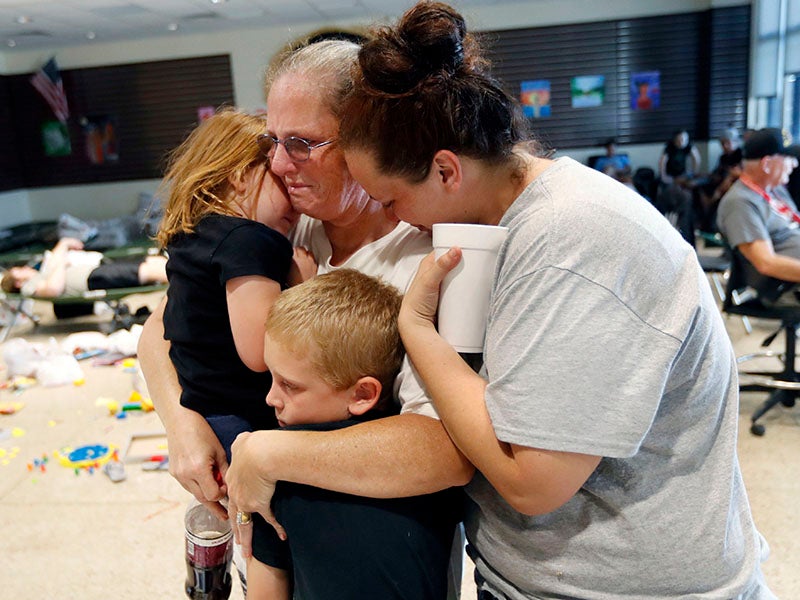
[(32, 24)]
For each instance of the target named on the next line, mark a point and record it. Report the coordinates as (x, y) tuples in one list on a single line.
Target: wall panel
[(691, 51), (728, 76), (10, 171), (152, 105)]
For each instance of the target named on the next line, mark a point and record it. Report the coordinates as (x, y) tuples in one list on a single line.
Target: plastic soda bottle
[(209, 549)]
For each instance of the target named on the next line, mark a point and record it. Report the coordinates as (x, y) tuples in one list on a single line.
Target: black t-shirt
[(793, 187), (196, 320), (677, 159), (345, 547), (729, 161)]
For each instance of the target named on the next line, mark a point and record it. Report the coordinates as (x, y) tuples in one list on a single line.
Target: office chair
[(718, 267), (783, 386)]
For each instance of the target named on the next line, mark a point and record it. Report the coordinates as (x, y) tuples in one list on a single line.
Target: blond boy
[(333, 348)]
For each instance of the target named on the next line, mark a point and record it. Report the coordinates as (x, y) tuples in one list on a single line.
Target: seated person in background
[(720, 180), (612, 160), (760, 220), (731, 157), (680, 160), (333, 348), (615, 165), (67, 269), (677, 167)]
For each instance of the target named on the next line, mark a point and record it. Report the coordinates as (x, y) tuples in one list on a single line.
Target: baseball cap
[(764, 142)]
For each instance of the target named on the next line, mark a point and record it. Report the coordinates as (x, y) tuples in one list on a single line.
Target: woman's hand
[(422, 297), (197, 460), (249, 489)]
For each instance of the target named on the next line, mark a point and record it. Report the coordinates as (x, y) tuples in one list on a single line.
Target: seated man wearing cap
[(759, 219)]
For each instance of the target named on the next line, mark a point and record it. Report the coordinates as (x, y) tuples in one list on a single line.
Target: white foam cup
[(464, 301)]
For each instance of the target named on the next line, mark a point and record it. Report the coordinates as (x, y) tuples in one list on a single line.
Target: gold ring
[(243, 518)]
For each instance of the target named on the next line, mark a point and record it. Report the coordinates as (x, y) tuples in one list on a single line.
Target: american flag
[(48, 83)]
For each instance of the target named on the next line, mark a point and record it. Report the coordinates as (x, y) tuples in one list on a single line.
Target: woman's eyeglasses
[(297, 148)]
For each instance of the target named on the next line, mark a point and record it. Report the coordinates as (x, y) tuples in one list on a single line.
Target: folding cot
[(14, 304)]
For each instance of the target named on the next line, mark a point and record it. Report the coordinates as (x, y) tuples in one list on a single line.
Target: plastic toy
[(115, 471), (89, 456), (9, 408), (135, 403)]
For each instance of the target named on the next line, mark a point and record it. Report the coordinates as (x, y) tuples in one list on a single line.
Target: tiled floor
[(83, 537)]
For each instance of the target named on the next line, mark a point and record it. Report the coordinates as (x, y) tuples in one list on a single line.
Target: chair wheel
[(757, 429), (788, 402)]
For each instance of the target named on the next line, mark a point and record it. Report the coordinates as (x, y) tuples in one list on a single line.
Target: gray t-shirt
[(603, 338), (744, 216)]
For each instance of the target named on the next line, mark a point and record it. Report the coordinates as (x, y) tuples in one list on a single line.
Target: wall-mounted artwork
[(645, 90), (55, 139), (588, 91), (204, 112), (535, 98), (100, 133)]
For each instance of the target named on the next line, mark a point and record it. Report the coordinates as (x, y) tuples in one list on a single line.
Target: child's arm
[(54, 284), (54, 267), (249, 301), (304, 266), (265, 582), (195, 454)]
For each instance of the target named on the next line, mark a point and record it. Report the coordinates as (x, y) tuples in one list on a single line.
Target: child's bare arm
[(265, 582), (304, 266), (249, 301)]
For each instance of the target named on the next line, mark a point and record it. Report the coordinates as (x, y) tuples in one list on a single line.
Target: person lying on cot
[(67, 269)]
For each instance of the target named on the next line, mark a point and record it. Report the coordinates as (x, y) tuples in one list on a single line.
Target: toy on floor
[(38, 464), (9, 408), (157, 462), (90, 456), (115, 471), (149, 449), (135, 402), (7, 455)]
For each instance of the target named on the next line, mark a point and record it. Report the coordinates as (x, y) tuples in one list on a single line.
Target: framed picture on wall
[(535, 98), (100, 135), (645, 90), (55, 139), (588, 91), (204, 112)]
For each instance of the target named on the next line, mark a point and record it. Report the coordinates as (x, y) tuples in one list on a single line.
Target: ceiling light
[(11, 43), (90, 35), (172, 27), (218, 1), (24, 19)]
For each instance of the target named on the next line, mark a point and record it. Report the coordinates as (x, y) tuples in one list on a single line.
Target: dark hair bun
[(428, 40)]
